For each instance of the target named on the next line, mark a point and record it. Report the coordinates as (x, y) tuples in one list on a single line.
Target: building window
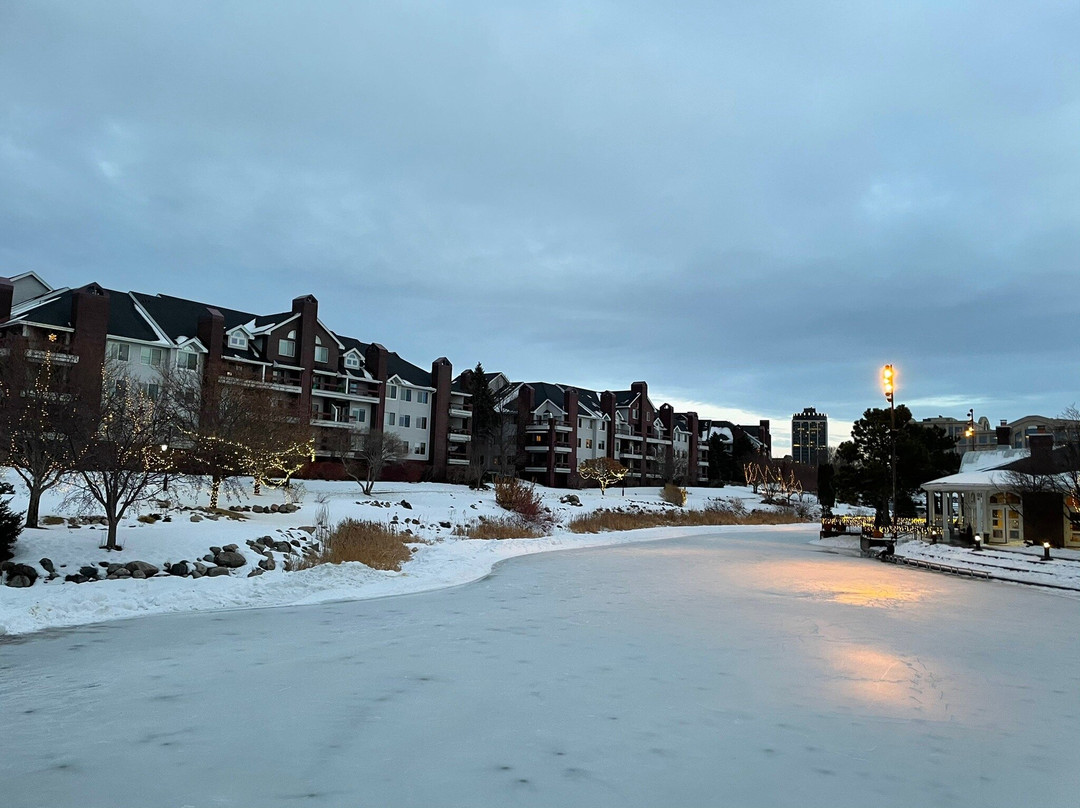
[(406, 446), (405, 419), (238, 340), (119, 352), (187, 360), (352, 361), (421, 449), (152, 356), (391, 392), (150, 390), (391, 419), (322, 354), (579, 443), (600, 446), (406, 394), (422, 396), (287, 347), (588, 443)]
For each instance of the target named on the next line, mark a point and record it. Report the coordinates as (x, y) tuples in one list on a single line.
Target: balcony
[(562, 448), (627, 431), (536, 469), (459, 435), (544, 424), (631, 456), (332, 419), (537, 447)]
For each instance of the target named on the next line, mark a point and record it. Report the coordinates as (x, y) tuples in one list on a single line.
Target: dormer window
[(287, 346), (352, 361), (322, 353), (187, 359), (238, 339)]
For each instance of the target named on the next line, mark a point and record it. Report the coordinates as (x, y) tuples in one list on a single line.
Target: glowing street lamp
[(888, 382)]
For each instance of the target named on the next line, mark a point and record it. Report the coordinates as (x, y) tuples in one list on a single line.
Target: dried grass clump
[(378, 545), (604, 520), (506, 527), (673, 494)]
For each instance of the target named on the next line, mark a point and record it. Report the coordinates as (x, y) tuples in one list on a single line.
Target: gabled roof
[(125, 320), (178, 317), (407, 371)]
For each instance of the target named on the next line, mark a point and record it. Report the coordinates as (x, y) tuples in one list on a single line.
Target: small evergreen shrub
[(11, 525)]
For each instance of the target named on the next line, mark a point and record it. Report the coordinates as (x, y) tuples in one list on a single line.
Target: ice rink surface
[(731, 668)]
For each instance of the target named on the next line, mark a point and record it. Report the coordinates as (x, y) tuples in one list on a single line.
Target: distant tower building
[(809, 436)]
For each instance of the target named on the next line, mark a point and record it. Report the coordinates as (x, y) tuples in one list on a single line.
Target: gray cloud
[(748, 205)]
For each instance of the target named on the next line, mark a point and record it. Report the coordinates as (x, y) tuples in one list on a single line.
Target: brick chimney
[(607, 406), (211, 333), (308, 309), (7, 295), (377, 362), (1041, 445), (1004, 434), (441, 373), (526, 403), (90, 320)]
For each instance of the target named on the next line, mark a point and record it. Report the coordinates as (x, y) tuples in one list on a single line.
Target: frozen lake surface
[(738, 668)]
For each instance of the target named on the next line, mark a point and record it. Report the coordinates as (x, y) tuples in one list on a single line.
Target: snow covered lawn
[(440, 559)]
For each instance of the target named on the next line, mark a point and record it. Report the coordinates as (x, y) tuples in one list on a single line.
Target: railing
[(331, 417)]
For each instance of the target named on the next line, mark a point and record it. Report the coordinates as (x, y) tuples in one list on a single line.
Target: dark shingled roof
[(396, 366), (545, 391), (178, 317), (124, 319), (1058, 461)]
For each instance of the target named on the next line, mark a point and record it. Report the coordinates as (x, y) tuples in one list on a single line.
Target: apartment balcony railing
[(459, 435), (331, 419)]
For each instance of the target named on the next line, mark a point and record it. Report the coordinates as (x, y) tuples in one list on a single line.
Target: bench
[(867, 543)]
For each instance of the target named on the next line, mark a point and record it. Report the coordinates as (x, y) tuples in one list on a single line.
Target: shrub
[(674, 494), (53, 520), (11, 525), (519, 497), (506, 527), (379, 546)]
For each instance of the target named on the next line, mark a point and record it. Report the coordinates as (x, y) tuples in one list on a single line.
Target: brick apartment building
[(341, 382)]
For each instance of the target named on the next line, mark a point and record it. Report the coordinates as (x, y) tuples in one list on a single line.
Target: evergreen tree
[(826, 491), (11, 525), (865, 473)]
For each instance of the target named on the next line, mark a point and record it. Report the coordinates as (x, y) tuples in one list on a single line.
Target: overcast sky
[(751, 206)]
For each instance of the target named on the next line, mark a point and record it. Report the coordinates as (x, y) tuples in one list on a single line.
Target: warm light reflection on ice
[(865, 586)]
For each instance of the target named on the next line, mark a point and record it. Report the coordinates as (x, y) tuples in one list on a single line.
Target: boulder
[(230, 548), (229, 558), (180, 569), (254, 572), (257, 509), (208, 558), (195, 517), (216, 550), (47, 565), (138, 574), (283, 547), (21, 575), (275, 508), (405, 504), (89, 572), (571, 499), (122, 572), (147, 569), (268, 564), (215, 572), (109, 570)]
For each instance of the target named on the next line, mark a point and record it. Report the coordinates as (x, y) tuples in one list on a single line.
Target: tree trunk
[(258, 486), (110, 542), (33, 507), (215, 490)]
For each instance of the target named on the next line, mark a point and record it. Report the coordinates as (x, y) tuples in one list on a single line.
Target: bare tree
[(364, 455), (39, 409), (122, 464), (234, 427), (605, 470)]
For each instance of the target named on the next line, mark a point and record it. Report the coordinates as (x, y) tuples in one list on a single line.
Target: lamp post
[(888, 382), (970, 431), (164, 450)]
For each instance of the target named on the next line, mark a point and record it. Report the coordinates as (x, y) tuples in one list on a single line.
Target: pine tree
[(11, 525)]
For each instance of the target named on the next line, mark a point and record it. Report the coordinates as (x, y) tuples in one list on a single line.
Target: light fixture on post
[(888, 382), (164, 452), (970, 431)]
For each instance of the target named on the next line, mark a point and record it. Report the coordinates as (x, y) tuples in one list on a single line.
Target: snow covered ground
[(440, 559), (734, 666)]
